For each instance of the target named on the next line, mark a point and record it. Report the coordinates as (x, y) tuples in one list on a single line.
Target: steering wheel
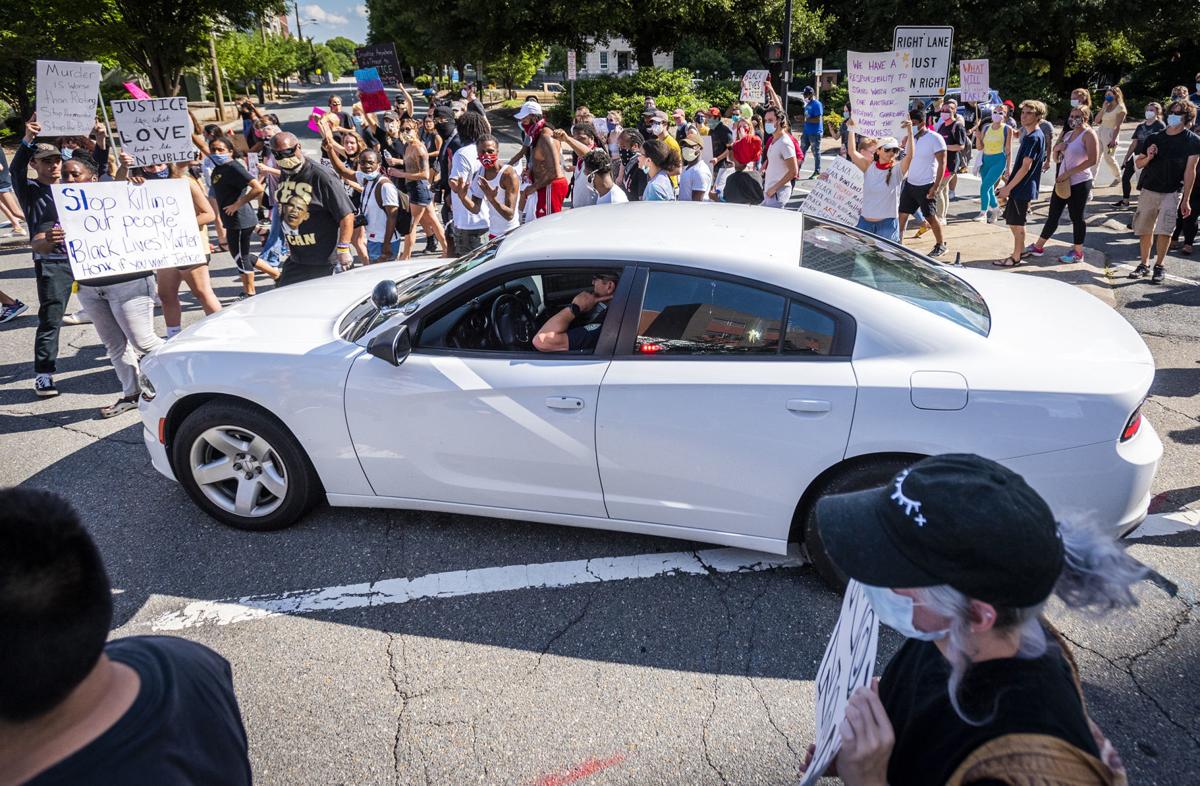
[(513, 324)]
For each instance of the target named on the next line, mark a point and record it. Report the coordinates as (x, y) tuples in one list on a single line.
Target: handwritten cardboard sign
[(155, 130), (383, 58), (116, 227), (974, 79), (838, 193), (135, 90), (66, 97), (754, 86), (926, 53), (370, 90), (879, 90), (847, 665)]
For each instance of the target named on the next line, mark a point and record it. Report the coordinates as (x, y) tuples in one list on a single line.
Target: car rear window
[(888, 268)]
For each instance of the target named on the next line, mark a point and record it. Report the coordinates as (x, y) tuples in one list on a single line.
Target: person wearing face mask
[(995, 140), (581, 141), (470, 228), (234, 190), (451, 142), (1108, 130), (882, 180), (743, 186), (415, 178), (954, 132), (1146, 129), (661, 131), (960, 555), (631, 177), (924, 179), (379, 206), (493, 191), (679, 125), (696, 180), (649, 110), (1168, 179), (613, 124), (599, 170), (1076, 155), (782, 162), (721, 134), (471, 99), (656, 161), (545, 180), (318, 219)]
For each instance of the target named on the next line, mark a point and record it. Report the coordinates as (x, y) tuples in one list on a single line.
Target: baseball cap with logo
[(45, 150), (528, 108), (889, 143), (954, 519)]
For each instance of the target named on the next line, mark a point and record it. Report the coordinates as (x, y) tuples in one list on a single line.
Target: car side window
[(695, 315), (809, 331)]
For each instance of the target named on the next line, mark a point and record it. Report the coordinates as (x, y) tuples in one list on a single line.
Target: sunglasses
[(286, 152)]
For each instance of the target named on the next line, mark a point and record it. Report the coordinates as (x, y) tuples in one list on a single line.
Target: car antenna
[(958, 259)]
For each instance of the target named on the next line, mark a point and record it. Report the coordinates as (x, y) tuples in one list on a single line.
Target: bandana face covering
[(489, 159)]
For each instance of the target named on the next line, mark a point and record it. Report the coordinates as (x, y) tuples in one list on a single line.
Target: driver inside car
[(576, 328)]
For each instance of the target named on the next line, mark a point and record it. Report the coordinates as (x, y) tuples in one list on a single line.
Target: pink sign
[(136, 91), (313, 117)]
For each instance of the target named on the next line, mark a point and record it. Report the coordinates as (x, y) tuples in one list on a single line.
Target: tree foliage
[(343, 46), (244, 57), (515, 69)]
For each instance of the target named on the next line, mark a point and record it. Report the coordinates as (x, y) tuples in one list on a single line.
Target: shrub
[(669, 89), (422, 81)]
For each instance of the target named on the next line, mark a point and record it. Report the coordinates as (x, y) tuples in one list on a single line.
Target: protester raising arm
[(405, 99), (340, 167), (198, 133)]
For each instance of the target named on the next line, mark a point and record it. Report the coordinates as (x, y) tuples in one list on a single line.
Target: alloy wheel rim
[(238, 471)]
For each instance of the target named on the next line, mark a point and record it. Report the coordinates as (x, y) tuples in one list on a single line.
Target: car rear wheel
[(872, 473), (243, 467)]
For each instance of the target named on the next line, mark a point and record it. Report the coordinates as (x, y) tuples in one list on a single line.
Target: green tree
[(515, 69), (343, 46)]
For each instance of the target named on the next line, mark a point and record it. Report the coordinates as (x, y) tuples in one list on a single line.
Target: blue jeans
[(813, 141), (888, 228)]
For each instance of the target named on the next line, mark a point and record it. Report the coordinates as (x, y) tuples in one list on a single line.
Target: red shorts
[(550, 198)]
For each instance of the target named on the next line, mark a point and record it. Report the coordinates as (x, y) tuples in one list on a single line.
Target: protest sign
[(925, 51), (706, 148), (879, 91), (754, 86), (847, 665), (313, 117), (116, 227), (252, 164), (66, 97), (155, 130), (381, 57), (135, 90), (973, 75), (837, 194), (370, 90), (601, 126)]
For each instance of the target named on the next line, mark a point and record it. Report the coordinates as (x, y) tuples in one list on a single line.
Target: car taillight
[(1131, 427)]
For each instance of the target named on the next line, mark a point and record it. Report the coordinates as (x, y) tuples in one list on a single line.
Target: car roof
[(740, 239)]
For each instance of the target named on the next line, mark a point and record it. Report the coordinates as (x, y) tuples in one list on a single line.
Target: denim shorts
[(888, 228), (419, 192), (374, 249)]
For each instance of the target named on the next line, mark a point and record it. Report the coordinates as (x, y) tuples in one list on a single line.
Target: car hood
[(296, 317)]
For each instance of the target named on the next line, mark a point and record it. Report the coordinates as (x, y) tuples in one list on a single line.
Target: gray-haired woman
[(960, 555)]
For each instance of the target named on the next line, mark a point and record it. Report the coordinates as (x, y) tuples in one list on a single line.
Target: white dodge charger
[(746, 362)]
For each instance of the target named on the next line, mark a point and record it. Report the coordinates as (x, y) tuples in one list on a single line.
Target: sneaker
[(938, 250), (1070, 257), (1033, 251), (984, 216), (1159, 275), (431, 246), (1141, 271), (78, 318), (922, 230), (121, 405), (17, 232), (814, 175), (953, 196), (12, 311), (993, 215), (43, 385)]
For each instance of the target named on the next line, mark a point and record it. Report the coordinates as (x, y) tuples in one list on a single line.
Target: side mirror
[(392, 345)]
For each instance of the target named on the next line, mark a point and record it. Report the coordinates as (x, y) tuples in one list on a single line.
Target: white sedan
[(748, 361)]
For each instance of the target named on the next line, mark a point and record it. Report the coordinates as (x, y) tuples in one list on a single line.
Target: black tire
[(285, 459), (871, 473)]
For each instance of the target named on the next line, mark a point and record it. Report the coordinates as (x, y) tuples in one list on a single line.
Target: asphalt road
[(683, 677)]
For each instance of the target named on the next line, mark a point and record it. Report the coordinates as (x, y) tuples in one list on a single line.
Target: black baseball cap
[(954, 519)]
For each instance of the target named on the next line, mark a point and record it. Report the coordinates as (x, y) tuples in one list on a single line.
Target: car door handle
[(564, 402), (808, 405)]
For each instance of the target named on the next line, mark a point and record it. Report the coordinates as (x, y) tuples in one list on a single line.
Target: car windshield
[(883, 266), (365, 317)]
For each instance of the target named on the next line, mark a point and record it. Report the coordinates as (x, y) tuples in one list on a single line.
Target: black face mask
[(445, 129), (626, 156)]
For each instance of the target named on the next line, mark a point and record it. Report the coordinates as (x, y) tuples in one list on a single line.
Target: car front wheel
[(243, 467)]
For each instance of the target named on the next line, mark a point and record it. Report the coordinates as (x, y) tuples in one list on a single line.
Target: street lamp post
[(787, 55)]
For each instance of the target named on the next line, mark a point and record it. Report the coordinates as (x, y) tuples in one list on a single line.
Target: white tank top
[(497, 224), (881, 199)]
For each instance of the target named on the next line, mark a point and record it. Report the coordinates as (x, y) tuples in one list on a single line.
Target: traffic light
[(775, 52)]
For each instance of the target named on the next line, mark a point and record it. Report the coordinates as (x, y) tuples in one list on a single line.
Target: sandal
[(1008, 262), (1187, 249)]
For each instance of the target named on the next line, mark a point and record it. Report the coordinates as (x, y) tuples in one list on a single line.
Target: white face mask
[(1074, 102), (1151, 114), (997, 117), (656, 128), (896, 611)]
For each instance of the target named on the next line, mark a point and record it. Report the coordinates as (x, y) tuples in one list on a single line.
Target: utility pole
[(787, 56), (218, 92), (300, 38)]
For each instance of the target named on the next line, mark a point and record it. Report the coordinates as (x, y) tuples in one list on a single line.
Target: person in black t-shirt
[(76, 711), (234, 190), (959, 555), (1168, 177), (318, 219), (952, 129), (722, 137), (576, 328)]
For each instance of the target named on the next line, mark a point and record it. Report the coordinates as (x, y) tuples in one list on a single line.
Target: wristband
[(343, 248)]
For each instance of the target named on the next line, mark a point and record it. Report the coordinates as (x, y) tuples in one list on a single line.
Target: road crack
[(50, 421)]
